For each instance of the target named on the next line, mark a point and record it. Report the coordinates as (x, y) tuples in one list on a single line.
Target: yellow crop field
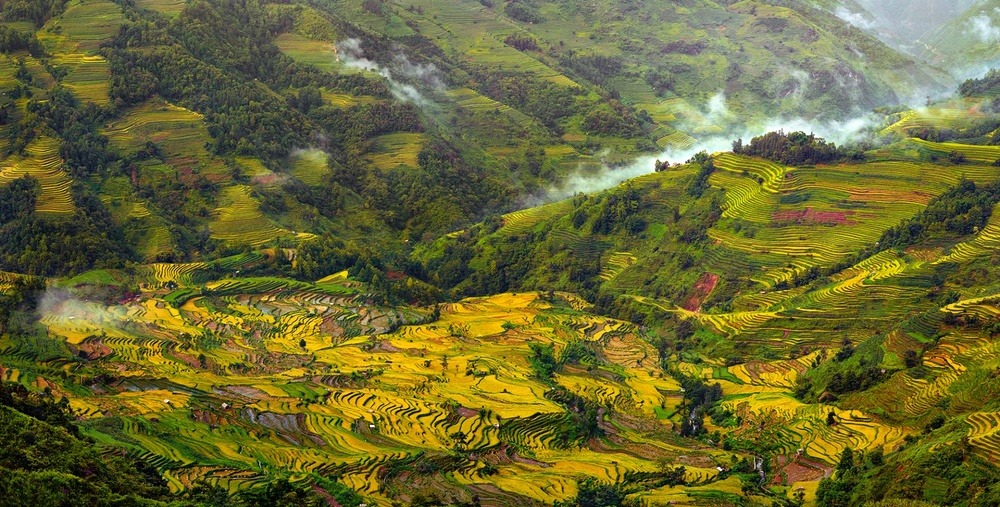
[(42, 162), (318, 379)]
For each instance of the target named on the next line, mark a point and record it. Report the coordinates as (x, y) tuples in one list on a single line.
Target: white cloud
[(855, 18), (982, 26)]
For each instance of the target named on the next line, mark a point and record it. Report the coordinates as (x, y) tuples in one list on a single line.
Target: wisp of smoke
[(352, 55)]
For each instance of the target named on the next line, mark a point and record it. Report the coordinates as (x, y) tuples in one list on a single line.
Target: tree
[(460, 439), (542, 360), (593, 493)]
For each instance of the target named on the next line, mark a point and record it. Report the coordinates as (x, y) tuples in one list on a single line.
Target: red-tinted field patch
[(702, 288), (793, 468), (810, 216)]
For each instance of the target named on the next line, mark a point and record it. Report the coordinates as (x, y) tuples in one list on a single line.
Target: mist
[(840, 132), (400, 74), (62, 306), (857, 19)]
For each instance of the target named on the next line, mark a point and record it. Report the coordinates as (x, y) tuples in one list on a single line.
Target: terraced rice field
[(240, 220), (89, 76), (616, 263), (677, 140), (984, 243), (74, 38), (397, 150), (87, 23), (520, 221), (983, 433), (173, 127), (814, 216), (797, 426), (7, 280), (181, 135), (944, 117), (319, 53), (171, 8), (470, 100), (239, 376), (42, 162), (344, 100), (984, 154), (482, 32), (310, 166)]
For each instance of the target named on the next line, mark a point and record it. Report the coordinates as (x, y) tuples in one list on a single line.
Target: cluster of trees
[(361, 123), (14, 40), (854, 380), (620, 210), (699, 185), (978, 128), (699, 398), (57, 246), (546, 101), (987, 85), (796, 148), (35, 11), (613, 119), (524, 11), (595, 68), (661, 81), (961, 210), (543, 359), (948, 475), (83, 148), (584, 420), (594, 493), (836, 492), (242, 117), (521, 42), (208, 59)]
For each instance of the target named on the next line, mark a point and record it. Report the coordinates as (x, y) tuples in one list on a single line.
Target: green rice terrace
[(343, 253)]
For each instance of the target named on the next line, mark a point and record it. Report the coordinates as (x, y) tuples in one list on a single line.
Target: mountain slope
[(787, 284), (968, 43), (208, 127)]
